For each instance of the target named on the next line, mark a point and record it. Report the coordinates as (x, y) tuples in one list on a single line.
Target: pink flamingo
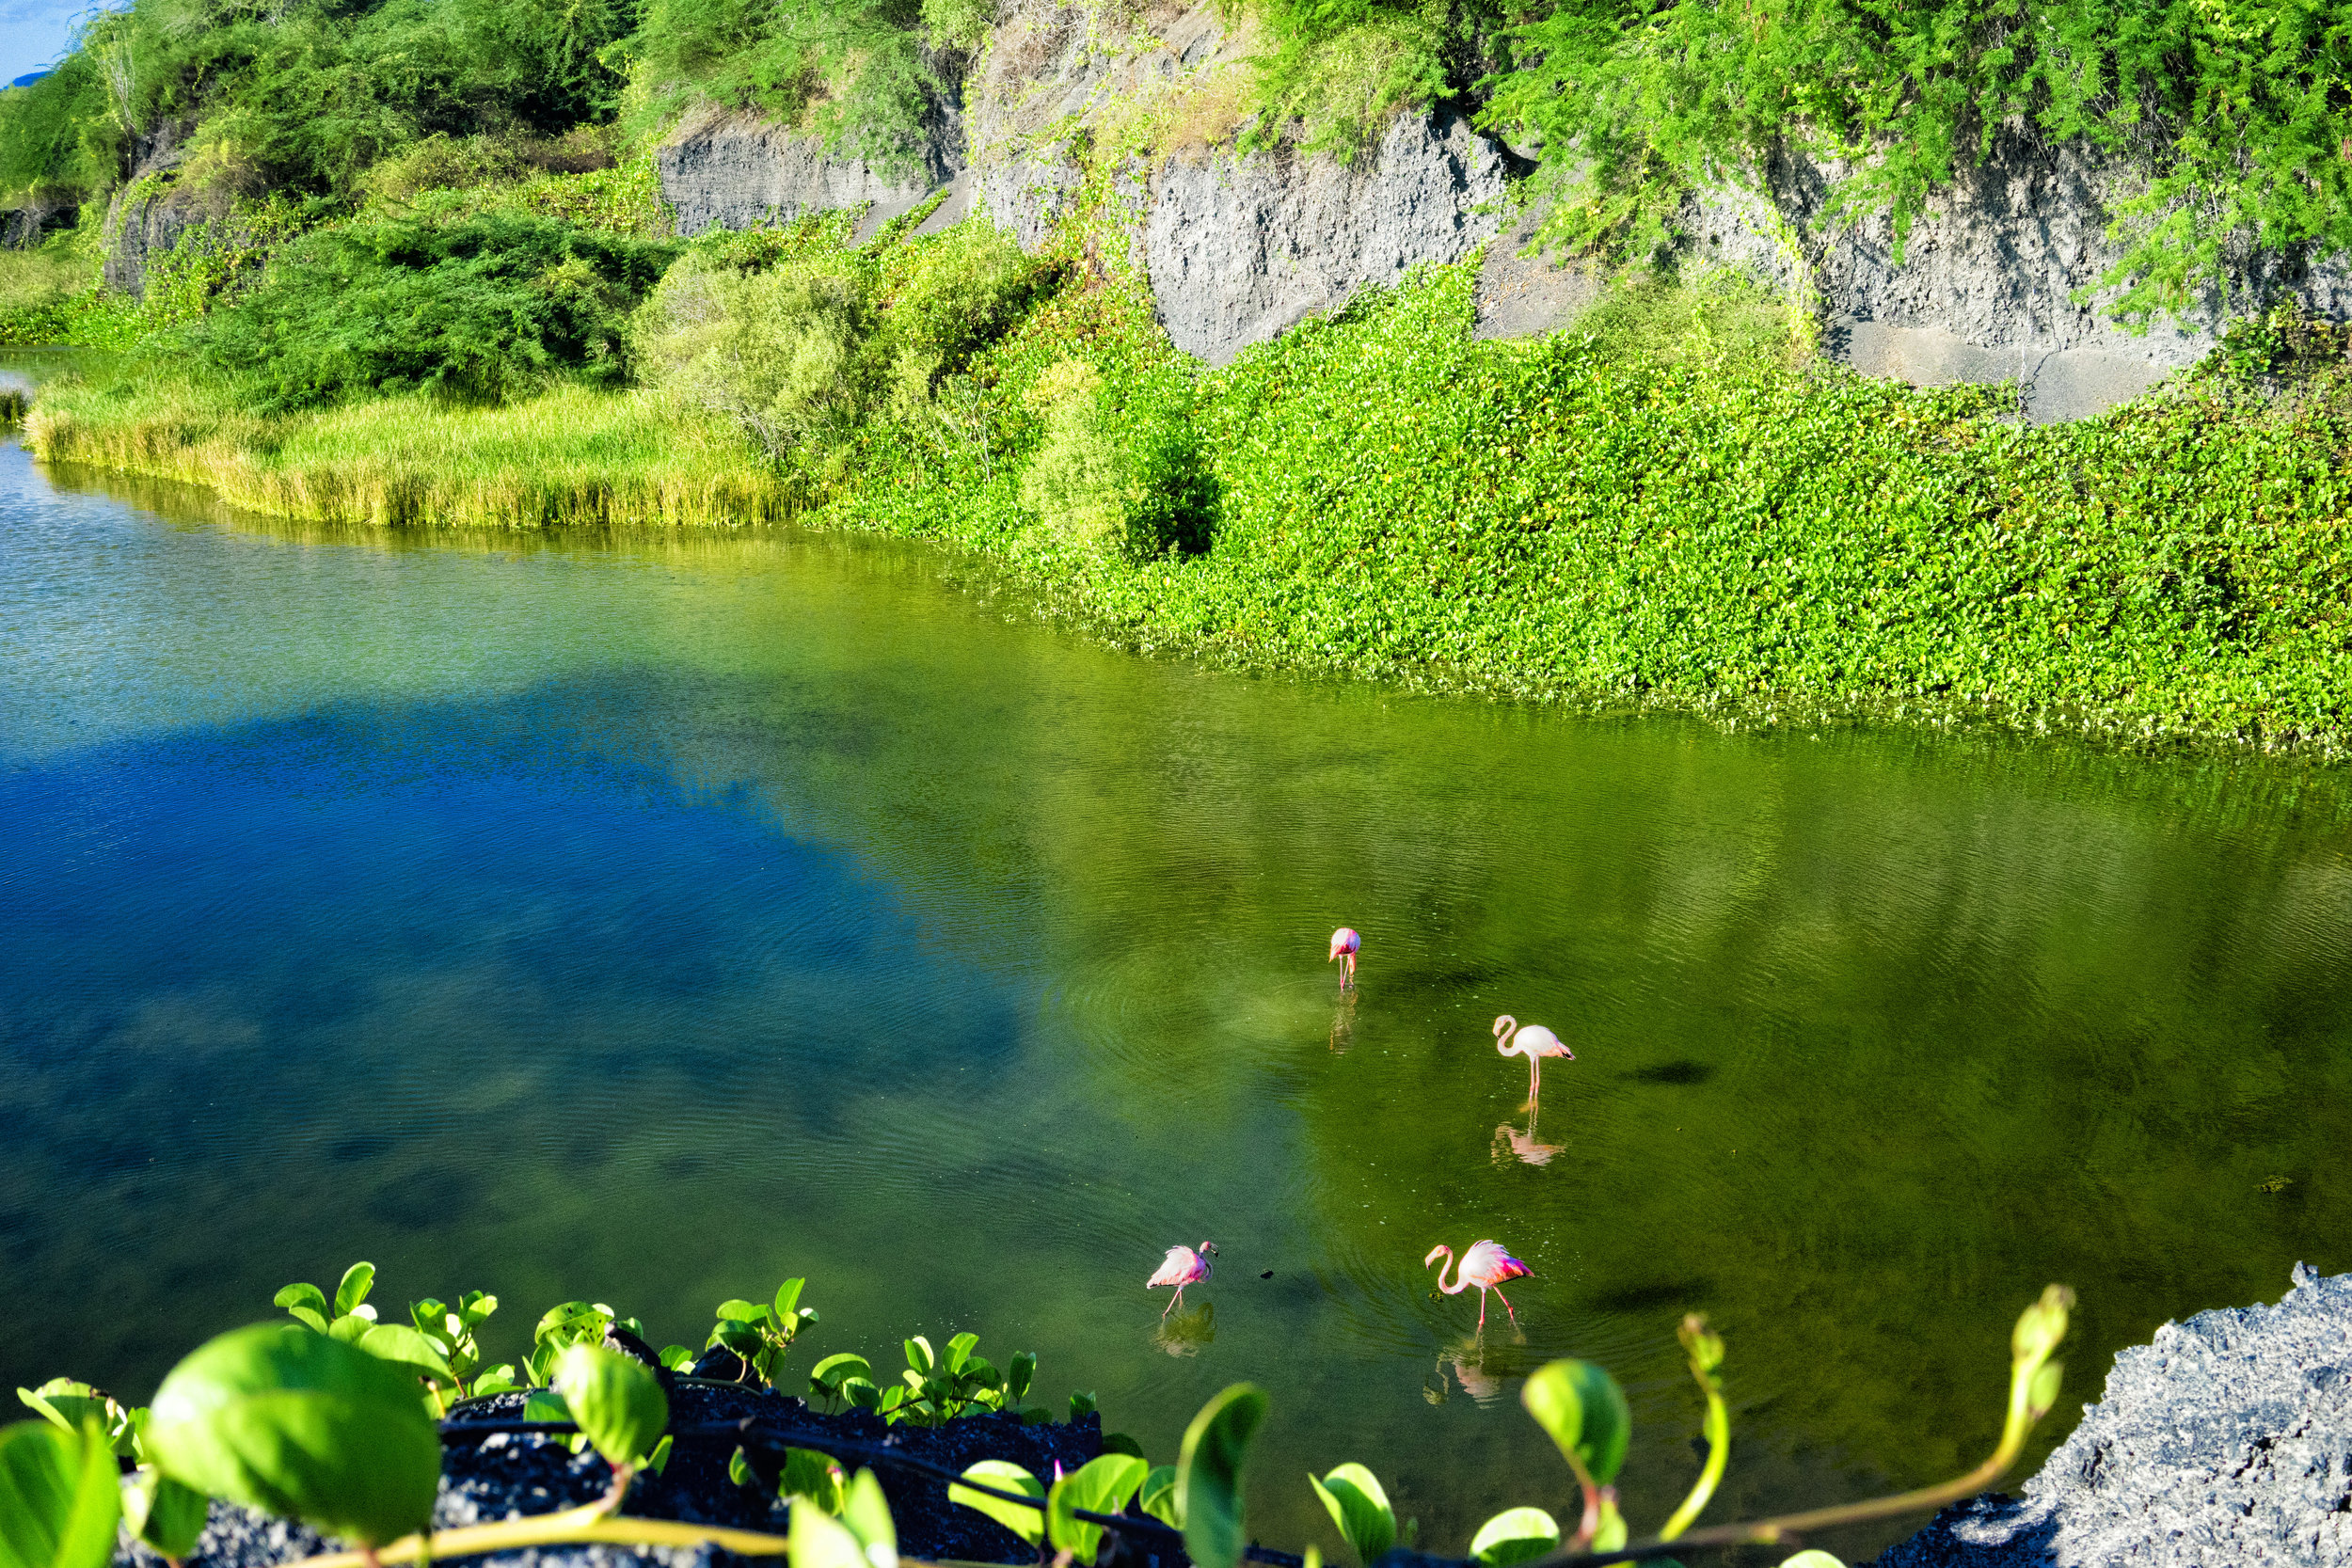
[(1485, 1265), (1345, 944), (1532, 1041), (1182, 1267)]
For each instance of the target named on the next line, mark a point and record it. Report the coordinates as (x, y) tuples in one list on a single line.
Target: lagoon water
[(651, 918)]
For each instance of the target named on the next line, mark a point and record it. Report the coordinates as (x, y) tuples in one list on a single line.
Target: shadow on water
[(653, 918)]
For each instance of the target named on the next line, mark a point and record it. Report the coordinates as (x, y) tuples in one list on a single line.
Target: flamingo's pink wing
[(1176, 1269), (1486, 1264), (1536, 1040)]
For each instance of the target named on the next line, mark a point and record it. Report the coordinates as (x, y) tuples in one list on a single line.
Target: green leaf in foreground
[(813, 1477), (357, 1281), (1585, 1412), (403, 1346), (59, 1496), (868, 1515), (1005, 1476), (821, 1541), (1515, 1535), (1359, 1507), (1209, 1473), (1160, 1498), (618, 1403), (301, 1425), (160, 1512), (1101, 1485)]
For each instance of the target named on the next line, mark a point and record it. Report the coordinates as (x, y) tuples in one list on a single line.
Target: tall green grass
[(573, 456)]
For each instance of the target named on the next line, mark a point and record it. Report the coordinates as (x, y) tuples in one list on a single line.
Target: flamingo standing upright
[(1345, 944), (1532, 1041), (1182, 1267), (1485, 1265)]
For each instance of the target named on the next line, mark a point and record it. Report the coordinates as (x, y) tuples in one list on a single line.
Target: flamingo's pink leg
[(1506, 1306), (1171, 1303), (1481, 1309)]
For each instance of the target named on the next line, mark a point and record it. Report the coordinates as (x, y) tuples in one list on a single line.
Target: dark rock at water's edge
[(501, 1475), (2225, 1441)]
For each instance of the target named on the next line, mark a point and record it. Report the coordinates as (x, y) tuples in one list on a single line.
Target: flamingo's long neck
[(1503, 1041), (1459, 1283)]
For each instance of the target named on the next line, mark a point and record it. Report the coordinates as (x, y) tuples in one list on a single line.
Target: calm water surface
[(649, 919)]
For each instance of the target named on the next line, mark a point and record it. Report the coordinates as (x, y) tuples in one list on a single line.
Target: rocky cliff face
[(141, 228), (1987, 284), (731, 171), (1239, 248)]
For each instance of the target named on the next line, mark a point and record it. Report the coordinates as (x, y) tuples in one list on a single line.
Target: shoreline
[(1755, 545)]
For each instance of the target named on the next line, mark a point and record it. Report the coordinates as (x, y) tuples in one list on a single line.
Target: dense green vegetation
[(1676, 506)]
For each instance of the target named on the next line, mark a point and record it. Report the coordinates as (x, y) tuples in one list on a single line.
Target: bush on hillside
[(483, 308), (853, 70), (791, 354), (961, 294), (1124, 477)]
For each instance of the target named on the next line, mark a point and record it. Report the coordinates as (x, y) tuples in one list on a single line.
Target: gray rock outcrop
[(1988, 287), (733, 171), (1240, 248), (2227, 1440), (139, 230)]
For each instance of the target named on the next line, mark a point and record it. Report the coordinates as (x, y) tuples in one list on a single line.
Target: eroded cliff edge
[(1238, 246)]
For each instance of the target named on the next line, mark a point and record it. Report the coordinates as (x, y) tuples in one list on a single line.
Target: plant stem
[(1775, 1530), (1718, 1453), (589, 1524)]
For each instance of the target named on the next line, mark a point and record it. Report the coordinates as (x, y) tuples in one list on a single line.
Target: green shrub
[(486, 308), (1126, 477), (2235, 109), (791, 354), (853, 70), (1720, 316), (959, 294)]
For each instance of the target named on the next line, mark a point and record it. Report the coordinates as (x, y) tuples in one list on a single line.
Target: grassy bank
[(1695, 519)]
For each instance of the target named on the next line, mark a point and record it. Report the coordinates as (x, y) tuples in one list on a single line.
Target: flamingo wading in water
[(1182, 1267), (1532, 1041), (1485, 1265), (1345, 944)]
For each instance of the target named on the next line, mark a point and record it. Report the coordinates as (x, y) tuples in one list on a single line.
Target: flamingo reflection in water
[(1343, 1022), (1467, 1361), (1512, 1144), (1184, 1333)]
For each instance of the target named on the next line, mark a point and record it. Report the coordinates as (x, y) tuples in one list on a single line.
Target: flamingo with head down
[(1485, 1265), (1532, 1041), (1345, 944)]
